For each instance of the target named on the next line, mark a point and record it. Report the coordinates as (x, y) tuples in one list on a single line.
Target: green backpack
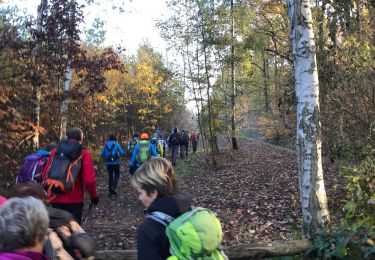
[(144, 153), (196, 234)]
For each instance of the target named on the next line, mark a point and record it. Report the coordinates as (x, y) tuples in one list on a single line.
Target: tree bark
[(266, 85), (37, 82), (204, 132), (209, 102), (233, 96), (315, 212), (64, 102)]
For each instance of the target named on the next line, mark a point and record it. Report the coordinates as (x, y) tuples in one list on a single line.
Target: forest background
[(236, 66)]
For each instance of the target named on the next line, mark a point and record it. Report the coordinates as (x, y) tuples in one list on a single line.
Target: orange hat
[(144, 136)]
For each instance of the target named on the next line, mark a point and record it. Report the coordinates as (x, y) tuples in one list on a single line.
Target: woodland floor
[(255, 195)]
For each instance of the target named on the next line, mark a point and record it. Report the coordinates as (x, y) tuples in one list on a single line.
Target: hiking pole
[(88, 214)]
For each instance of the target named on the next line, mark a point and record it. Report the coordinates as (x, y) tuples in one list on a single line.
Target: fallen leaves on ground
[(254, 194)]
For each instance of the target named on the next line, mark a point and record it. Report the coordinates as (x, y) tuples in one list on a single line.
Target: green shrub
[(355, 237)]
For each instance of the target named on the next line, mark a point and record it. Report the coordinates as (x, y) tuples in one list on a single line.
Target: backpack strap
[(34, 170), (160, 217), (110, 147)]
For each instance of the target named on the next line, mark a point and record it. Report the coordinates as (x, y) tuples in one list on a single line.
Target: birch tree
[(37, 82), (308, 137), (64, 108)]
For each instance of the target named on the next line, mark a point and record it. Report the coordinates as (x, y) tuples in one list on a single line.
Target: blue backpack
[(112, 154)]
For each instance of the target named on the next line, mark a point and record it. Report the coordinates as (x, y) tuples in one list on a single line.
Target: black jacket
[(152, 242)]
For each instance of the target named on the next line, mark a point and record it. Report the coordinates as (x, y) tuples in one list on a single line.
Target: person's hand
[(95, 201), (57, 245), (64, 233), (75, 227)]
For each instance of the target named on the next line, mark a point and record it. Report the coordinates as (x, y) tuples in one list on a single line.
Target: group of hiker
[(42, 217), (57, 196), (179, 141)]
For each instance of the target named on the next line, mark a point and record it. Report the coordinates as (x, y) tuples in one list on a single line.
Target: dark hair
[(112, 138), (75, 133), (175, 129), (27, 189)]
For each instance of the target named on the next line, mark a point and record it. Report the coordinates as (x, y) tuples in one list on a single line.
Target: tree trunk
[(308, 138), (276, 75), (266, 85), (37, 82), (64, 102), (203, 130), (233, 96), (209, 102)]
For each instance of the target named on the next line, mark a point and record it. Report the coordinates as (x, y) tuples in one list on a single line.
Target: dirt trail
[(255, 195)]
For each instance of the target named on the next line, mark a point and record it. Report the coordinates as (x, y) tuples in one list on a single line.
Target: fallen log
[(276, 248), (236, 252), (116, 255)]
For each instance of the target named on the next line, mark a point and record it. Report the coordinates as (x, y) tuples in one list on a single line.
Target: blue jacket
[(118, 148), (133, 160)]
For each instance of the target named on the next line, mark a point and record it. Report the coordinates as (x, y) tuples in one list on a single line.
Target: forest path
[(255, 195)]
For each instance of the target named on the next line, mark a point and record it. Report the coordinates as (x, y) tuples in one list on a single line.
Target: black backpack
[(184, 138), (174, 139), (64, 168)]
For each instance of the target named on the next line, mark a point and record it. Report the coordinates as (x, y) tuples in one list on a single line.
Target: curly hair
[(23, 222)]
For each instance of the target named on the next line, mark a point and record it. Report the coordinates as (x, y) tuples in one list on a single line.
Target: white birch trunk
[(64, 102), (308, 138), (37, 83)]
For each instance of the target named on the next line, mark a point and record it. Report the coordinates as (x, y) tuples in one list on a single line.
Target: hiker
[(184, 143), (111, 153), (33, 165), (70, 233), (164, 145), (194, 141), (69, 170), (130, 145), (23, 230), (173, 143), (158, 133), (155, 183), (158, 145), (143, 151), (187, 140)]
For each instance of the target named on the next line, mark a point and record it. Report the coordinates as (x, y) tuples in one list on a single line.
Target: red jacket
[(86, 178)]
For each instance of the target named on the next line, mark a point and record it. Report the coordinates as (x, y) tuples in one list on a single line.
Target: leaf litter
[(255, 195)]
